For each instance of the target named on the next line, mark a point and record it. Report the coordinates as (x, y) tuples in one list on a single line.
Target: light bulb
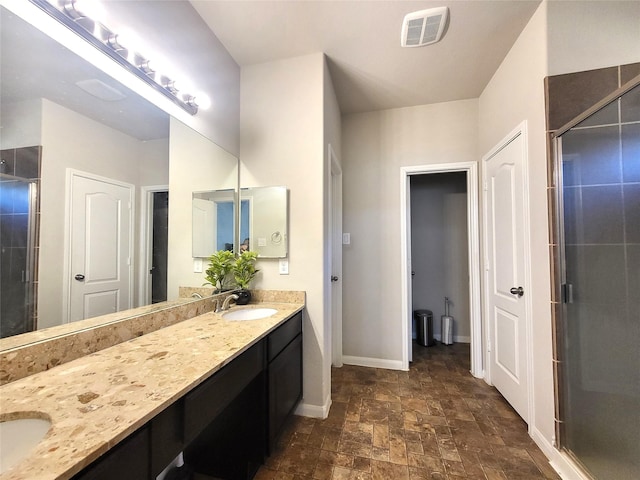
[(202, 100), (85, 9)]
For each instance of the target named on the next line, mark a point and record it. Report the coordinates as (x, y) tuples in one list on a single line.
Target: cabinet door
[(285, 387), (167, 440), (127, 461)]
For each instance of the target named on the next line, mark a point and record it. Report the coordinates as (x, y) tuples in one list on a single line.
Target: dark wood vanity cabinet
[(227, 425), (225, 419), (284, 347), (129, 460)]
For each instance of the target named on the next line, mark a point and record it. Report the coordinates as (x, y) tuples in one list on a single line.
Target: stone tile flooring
[(434, 422)]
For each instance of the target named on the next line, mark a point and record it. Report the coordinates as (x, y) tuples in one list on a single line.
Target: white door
[(506, 277), (204, 223), (99, 247), (335, 196)]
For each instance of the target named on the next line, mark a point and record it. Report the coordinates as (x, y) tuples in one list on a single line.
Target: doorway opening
[(440, 260), (154, 245), (160, 246), (462, 196)]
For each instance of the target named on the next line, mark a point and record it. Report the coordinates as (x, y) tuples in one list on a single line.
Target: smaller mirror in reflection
[(263, 221), (213, 222)]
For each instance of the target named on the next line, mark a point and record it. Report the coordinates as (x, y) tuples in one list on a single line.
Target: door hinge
[(486, 186)]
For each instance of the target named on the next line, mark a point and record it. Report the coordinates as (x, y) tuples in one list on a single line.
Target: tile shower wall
[(17, 296)]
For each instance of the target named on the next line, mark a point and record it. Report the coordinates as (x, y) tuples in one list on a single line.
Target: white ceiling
[(361, 39)]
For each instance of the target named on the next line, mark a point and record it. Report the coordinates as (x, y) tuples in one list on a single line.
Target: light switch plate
[(283, 266), (197, 265), (262, 242), (346, 239)]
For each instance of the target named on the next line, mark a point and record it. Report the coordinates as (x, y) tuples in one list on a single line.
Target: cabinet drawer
[(203, 404), (127, 461), (281, 337)]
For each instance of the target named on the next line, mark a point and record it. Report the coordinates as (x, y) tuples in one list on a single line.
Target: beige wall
[(374, 147), (195, 164), (154, 162), (20, 124), (586, 35), (281, 119), (70, 140)]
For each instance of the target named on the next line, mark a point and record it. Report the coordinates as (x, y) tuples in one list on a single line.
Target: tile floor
[(434, 422)]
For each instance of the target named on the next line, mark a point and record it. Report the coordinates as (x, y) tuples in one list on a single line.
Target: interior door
[(505, 275), (336, 259), (100, 247)]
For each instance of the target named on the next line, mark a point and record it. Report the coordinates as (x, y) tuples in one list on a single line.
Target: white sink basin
[(18, 438), (249, 313)]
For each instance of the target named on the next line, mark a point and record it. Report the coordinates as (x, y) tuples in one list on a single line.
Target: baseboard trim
[(456, 338), (314, 411), (372, 362), (559, 461)]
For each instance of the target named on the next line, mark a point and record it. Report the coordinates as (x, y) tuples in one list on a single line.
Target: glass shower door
[(17, 198), (600, 381)]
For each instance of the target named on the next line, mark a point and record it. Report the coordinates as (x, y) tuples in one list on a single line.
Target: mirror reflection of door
[(160, 245), (100, 246), (245, 226)]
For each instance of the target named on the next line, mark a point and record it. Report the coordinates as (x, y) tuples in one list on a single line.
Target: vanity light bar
[(108, 42)]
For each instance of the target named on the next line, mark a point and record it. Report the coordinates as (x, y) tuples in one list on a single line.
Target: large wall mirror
[(66, 126)]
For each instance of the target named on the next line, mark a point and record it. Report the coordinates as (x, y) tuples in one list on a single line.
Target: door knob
[(334, 278), (79, 277), (517, 291)]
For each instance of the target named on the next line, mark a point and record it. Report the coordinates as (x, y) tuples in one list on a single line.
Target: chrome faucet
[(227, 301), (216, 305), (196, 295)]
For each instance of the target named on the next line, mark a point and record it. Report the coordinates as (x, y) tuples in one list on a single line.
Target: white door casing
[(99, 246), (473, 218), (506, 248)]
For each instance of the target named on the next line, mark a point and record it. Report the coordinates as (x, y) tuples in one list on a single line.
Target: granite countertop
[(96, 401)]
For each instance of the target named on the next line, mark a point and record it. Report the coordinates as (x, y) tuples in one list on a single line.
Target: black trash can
[(424, 327)]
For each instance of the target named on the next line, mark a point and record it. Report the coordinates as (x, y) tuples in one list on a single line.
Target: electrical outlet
[(283, 266), (197, 265), (346, 239)]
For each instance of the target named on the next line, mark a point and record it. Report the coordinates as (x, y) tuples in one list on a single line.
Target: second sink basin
[(249, 313), (18, 438)]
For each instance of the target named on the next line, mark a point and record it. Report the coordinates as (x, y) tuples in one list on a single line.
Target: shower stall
[(17, 249), (598, 329)]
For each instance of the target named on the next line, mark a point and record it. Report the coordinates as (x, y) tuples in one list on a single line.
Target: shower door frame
[(559, 264)]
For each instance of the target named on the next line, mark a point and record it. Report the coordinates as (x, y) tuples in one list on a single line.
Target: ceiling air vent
[(424, 27)]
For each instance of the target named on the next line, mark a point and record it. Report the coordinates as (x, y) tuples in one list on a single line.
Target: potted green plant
[(220, 265), (244, 269)]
